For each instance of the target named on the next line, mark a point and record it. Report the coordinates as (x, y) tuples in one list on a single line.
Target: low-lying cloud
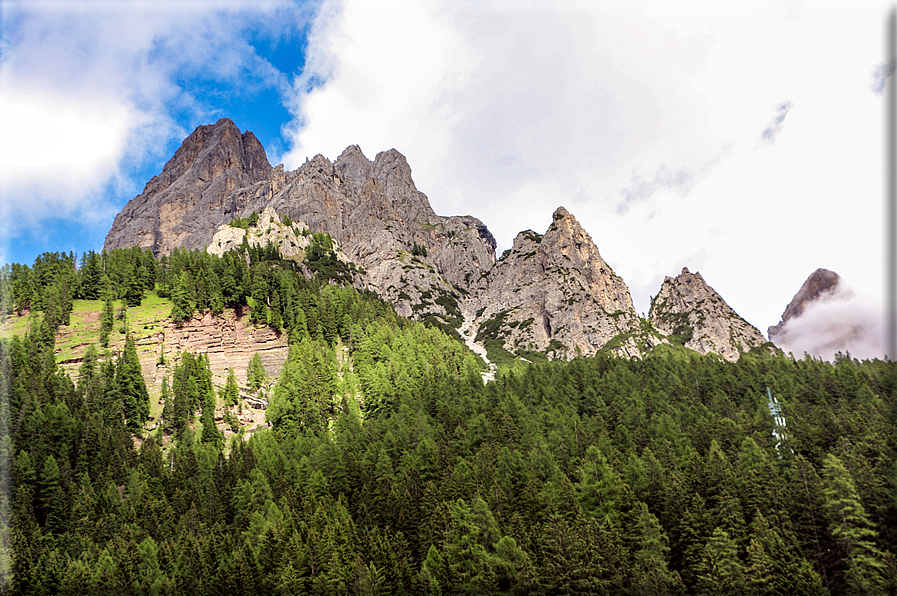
[(838, 321)]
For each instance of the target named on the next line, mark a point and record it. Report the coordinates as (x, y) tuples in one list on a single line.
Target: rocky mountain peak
[(210, 164), (353, 167), (566, 238), (693, 314), (821, 281), (555, 293), (209, 151)]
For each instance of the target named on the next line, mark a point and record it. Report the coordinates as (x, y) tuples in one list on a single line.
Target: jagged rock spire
[(182, 206)]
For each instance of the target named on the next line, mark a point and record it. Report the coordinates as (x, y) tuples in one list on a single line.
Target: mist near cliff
[(838, 321)]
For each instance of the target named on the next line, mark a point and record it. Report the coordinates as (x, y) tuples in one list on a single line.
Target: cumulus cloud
[(775, 125), (838, 321), (89, 90)]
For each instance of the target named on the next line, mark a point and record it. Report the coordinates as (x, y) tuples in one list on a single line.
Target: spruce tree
[(231, 393), (182, 300), (131, 386), (720, 570), (255, 373), (210, 432), (107, 322), (134, 289), (851, 528)]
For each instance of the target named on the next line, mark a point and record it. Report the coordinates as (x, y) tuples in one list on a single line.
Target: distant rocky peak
[(524, 238), (217, 146), (568, 241), (820, 282), (392, 168), (687, 287), (194, 189)]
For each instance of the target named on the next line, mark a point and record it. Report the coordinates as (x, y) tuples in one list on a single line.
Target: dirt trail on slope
[(467, 332)]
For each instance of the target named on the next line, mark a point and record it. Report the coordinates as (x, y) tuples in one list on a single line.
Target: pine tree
[(167, 404), (851, 529), (150, 577), (182, 300), (134, 289), (210, 432), (107, 322), (255, 373), (52, 499), (652, 574), (231, 393), (90, 276), (720, 571), (132, 387)]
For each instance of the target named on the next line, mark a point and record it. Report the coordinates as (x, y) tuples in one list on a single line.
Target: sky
[(744, 140)]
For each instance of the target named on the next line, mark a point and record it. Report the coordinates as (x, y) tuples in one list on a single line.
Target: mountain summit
[(692, 313), (555, 292), (180, 206), (821, 281)]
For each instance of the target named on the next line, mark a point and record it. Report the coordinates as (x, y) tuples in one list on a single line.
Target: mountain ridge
[(550, 293)]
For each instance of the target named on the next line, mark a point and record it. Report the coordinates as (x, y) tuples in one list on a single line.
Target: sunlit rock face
[(554, 292), (194, 193)]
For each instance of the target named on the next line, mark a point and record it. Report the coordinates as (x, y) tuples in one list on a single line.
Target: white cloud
[(507, 110)]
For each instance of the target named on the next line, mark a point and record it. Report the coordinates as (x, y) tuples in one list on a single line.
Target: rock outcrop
[(291, 240), (692, 314), (821, 281), (183, 205), (555, 293)]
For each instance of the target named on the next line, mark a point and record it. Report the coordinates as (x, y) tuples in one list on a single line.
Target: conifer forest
[(388, 466)]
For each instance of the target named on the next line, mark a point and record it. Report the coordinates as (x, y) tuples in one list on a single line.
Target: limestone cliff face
[(820, 282), (556, 293), (182, 206), (690, 312)]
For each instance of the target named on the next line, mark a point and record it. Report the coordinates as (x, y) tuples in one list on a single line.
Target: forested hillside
[(390, 467)]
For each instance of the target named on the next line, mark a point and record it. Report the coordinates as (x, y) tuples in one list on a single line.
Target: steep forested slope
[(390, 467)]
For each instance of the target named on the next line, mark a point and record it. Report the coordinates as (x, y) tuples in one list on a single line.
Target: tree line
[(390, 467)]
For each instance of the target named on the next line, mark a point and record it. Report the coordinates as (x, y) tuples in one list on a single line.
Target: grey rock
[(554, 292)]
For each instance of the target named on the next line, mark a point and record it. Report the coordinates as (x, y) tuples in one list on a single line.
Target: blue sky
[(740, 139)]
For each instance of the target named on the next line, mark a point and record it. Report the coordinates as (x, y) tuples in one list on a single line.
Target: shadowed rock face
[(182, 206), (690, 310), (820, 282)]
